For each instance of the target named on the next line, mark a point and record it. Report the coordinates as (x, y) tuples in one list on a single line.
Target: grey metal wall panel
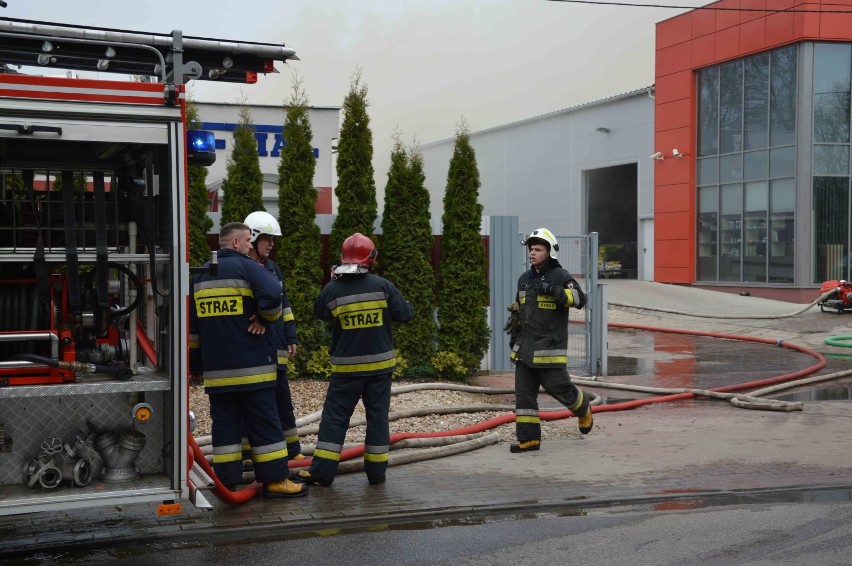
[(505, 253), (534, 169)]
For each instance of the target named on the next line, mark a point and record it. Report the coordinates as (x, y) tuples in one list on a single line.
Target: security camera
[(658, 155), (676, 153)]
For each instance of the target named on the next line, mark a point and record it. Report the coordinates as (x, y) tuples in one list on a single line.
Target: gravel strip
[(308, 397)]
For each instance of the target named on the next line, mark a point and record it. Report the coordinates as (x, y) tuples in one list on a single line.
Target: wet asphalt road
[(796, 528)]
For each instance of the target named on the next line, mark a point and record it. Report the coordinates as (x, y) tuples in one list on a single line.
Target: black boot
[(527, 446)]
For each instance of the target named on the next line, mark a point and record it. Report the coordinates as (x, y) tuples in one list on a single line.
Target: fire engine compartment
[(91, 311)]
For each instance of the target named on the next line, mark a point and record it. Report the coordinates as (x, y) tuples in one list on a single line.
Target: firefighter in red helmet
[(362, 306)]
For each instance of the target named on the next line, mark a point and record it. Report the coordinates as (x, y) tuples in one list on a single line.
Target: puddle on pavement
[(684, 361), (806, 496), (827, 393)]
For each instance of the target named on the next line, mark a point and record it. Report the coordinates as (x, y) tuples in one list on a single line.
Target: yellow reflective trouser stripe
[(375, 457), (363, 367), (230, 453), (267, 456), (288, 317), (282, 360), (327, 454), (527, 419), (292, 438), (579, 402), (224, 458)]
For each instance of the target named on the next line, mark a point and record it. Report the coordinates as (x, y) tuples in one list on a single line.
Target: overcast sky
[(426, 63)]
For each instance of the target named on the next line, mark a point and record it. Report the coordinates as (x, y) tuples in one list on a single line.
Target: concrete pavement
[(661, 453)]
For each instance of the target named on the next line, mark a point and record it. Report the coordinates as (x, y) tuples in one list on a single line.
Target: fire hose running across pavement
[(438, 444)]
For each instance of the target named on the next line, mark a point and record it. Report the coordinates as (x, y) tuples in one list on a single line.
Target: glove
[(577, 294), (542, 287), (513, 321)]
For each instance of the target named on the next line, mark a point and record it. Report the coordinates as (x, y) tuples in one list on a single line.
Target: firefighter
[(282, 333), (539, 340), (362, 306), (229, 312)]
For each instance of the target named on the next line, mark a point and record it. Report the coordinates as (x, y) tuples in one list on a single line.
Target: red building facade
[(689, 49)]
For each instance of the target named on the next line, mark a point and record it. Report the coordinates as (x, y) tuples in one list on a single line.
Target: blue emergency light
[(200, 147)]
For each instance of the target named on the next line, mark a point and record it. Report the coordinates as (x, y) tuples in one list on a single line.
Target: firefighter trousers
[(557, 383), (340, 401), (286, 412), (256, 411)]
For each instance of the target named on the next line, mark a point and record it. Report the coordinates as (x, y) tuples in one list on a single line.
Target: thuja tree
[(463, 289), (356, 188), (199, 222), (242, 186), (300, 248), (406, 248)]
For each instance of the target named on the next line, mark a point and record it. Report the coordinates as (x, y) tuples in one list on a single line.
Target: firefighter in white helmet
[(282, 335), (539, 340)]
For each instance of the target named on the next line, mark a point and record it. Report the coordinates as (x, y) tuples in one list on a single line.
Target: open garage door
[(611, 194)]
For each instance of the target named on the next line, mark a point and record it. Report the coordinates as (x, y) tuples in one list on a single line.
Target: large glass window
[(754, 231), (708, 222), (730, 256), (756, 99), (782, 207), (830, 206), (746, 168)]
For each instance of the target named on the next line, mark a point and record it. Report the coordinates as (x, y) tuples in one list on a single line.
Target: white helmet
[(545, 236), (262, 222)]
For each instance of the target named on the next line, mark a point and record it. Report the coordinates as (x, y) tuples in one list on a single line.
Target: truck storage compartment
[(92, 312)]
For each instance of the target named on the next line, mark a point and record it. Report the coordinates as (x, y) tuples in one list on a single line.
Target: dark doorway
[(612, 209)]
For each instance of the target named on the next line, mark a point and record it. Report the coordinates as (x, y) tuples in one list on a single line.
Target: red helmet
[(358, 249)]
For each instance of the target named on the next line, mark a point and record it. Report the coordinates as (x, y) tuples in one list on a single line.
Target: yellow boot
[(284, 488), (586, 422)]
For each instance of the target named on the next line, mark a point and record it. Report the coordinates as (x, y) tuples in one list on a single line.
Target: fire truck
[(94, 272)]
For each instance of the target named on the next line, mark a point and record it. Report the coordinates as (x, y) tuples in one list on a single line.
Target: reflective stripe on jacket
[(362, 307), (541, 338), (221, 306)]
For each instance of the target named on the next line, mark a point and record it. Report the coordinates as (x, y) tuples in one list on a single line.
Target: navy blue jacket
[(281, 333), (221, 305), (362, 307)]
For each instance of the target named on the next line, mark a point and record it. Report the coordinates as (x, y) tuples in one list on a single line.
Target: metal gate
[(586, 328)]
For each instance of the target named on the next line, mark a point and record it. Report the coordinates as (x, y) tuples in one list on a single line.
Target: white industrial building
[(577, 170), (268, 120)]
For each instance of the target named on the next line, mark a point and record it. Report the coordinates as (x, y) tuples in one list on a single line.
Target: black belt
[(72, 266)]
